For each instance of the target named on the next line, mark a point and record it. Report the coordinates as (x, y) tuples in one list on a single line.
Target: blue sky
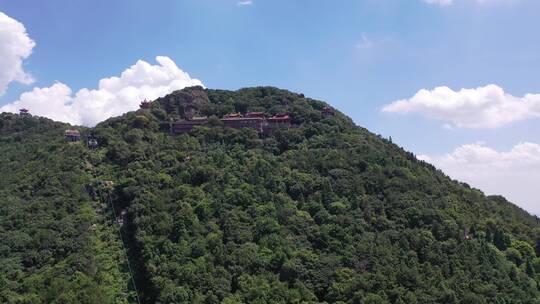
[(358, 55)]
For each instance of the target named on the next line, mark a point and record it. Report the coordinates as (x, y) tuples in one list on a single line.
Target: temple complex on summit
[(253, 120)]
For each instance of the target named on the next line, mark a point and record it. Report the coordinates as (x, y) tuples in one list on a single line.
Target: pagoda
[(145, 104)]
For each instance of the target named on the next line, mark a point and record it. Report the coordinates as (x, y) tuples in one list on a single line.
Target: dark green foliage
[(54, 248), (321, 212)]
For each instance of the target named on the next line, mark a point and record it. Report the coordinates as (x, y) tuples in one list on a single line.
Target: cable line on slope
[(110, 203)]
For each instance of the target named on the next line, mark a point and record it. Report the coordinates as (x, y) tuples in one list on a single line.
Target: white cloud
[(114, 95), (439, 2), (514, 174), (244, 2), (450, 2), (485, 107), (364, 43), (15, 46)]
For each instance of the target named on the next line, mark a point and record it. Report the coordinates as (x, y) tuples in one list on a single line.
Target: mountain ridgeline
[(322, 211)]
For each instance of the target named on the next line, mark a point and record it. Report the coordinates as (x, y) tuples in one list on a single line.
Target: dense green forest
[(321, 212), (57, 245)]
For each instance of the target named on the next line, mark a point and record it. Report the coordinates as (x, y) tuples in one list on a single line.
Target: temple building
[(185, 126), (281, 119), (327, 112), (256, 123), (72, 135), (24, 112), (255, 114), (232, 116)]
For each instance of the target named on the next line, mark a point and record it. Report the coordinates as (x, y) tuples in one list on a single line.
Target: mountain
[(321, 211)]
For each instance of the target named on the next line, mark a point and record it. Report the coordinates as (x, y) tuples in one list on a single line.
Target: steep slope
[(56, 246), (321, 212)]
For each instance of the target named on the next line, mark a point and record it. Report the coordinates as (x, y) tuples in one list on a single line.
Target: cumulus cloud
[(485, 107), (15, 46), (114, 96), (514, 174)]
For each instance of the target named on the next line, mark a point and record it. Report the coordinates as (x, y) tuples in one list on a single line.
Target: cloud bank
[(450, 2), (365, 42), (485, 107), (15, 46), (514, 174), (114, 96), (439, 2), (244, 2)]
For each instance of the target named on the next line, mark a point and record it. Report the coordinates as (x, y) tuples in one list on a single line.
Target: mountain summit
[(239, 208)]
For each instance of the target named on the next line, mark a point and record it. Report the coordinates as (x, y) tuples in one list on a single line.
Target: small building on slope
[(24, 112), (145, 104), (327, 112), (72, 135)]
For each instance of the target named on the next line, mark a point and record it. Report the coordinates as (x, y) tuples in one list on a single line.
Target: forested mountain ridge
[(324, 211)]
